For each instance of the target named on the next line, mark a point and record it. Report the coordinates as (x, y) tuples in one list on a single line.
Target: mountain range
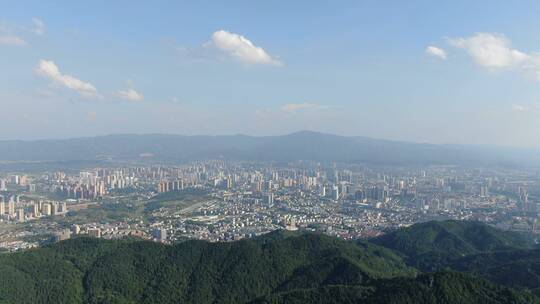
[(481, 265), (304, 145)]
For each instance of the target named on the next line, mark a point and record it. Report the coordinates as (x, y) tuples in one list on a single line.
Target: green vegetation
[(431, 245), (123, 191), (177, 199), (503, 257), (106, 213), (97, 271), (440, 287), (280, 267), (516, 268)]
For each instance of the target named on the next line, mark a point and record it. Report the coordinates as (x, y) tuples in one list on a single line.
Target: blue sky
[(424, 71)]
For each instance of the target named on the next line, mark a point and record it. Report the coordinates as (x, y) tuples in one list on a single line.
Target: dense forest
[(433, 262), (432, 245)]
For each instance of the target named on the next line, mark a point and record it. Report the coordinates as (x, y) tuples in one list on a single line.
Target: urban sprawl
[(224, 200)]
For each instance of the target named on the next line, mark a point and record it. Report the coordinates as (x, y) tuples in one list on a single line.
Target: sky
[(461, 72)]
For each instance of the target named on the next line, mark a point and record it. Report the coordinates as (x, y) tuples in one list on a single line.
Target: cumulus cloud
[(130, 94), (49, 70), (436, 52), (38, 27), (491, 50), (240, 48), (295, 107), (495, 51)]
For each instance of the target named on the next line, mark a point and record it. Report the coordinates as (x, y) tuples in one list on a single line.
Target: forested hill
[(98, 271), (279, 267), (503, 257), (440, 287), (430, 245)]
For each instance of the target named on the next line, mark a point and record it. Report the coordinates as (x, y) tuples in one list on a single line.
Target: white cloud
[(294, 107), (518, 108), (11, 40), (495, 51), (7, 37), (240, 48), (532, 66), (436, 52), (49, 70), (38, 27), (491, 50), (130, 94)]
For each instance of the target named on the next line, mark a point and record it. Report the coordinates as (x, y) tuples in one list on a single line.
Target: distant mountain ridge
[(304, 145)]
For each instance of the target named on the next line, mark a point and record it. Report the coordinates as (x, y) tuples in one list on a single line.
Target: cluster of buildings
[(219, 200), (346, 200), (168, 186), (19, 181), (19, 210), (110, 232)]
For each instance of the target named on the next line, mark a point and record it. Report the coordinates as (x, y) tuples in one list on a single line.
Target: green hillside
[(516, 268), (97, 271), (441, 287), (431, 245), (280, 267)]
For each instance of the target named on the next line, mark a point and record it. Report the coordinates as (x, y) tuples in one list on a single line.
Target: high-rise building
[(160, 235), (379, 193), (20, 215), (523, 202), (94, 232), (483, 191), (62, 235), (335, 193), (11, 207), (35, 210), (269, 199), (23, 180), (435, 205), (164, 186), (343, 189), (256, 186), (359, 195), (54, 208), (62, 208), (2, 207), (75, 229), (177, 185), (46, 209)]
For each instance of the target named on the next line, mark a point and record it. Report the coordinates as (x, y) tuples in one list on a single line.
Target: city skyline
[(270, 151), (272, 69)]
